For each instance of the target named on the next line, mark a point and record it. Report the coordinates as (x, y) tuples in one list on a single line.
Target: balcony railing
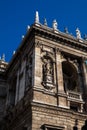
[(74, 95)]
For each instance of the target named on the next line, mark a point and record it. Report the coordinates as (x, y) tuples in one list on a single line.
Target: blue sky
[(15, 15)]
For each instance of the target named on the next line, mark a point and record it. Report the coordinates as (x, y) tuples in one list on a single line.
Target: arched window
[(70, 76)]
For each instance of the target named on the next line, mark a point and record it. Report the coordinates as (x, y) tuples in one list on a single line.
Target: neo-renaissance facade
[(44, 86)]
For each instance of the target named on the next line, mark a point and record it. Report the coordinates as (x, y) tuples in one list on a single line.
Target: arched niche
[(70, 76), (48, 71)]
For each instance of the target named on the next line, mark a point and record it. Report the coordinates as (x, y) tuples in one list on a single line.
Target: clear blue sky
[(15, 15)]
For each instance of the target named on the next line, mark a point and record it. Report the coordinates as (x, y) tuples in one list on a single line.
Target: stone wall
[(3, 93), (19, 117), (43, 102), (56, 117)]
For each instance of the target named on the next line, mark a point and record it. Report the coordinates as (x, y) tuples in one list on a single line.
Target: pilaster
[(84, 74), (85, 82), (59, 72), (37, 66), (62, 98)]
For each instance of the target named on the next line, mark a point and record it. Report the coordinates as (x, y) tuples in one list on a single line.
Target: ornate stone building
[(44, 87)]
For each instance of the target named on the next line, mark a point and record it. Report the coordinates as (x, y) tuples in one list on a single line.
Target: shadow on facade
[(84, 127), (76, 125)]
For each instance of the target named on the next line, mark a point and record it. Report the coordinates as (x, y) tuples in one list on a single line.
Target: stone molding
[(67, 41), (45, 108)]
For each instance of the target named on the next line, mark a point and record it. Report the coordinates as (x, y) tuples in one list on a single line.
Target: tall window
[(70, 76), (20, 86), (28, 81)]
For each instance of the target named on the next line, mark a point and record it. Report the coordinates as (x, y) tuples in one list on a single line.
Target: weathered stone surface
[(44, 86)]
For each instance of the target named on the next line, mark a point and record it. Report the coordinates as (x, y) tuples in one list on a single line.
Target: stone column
[(84, 74), (54, 73), (61, 96), (85, 82)]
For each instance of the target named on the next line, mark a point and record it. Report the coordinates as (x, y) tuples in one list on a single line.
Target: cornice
[(48, 33), (62, 38)]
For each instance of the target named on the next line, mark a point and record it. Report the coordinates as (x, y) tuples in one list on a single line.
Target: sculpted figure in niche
[(48, 77), (49, 67)]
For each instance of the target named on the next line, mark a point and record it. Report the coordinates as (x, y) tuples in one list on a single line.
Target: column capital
[(38, 44), (58, 50)]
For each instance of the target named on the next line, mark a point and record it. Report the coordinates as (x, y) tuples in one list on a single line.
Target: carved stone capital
[(58, 51), (48, 54), (38, 44)]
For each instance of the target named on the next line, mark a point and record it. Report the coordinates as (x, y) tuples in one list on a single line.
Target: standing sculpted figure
[(55, 25), (78, 33)]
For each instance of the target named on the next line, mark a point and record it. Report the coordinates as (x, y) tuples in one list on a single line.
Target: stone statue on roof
[(55, 24), (78, 34)]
